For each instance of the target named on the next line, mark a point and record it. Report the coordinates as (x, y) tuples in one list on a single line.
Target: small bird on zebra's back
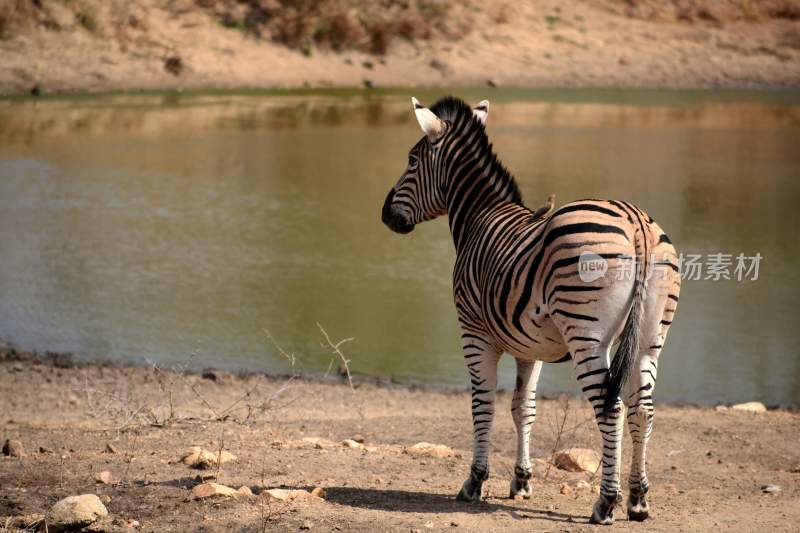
[(566, 286)]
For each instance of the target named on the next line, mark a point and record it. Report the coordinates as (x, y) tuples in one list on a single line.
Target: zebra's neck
[(479, 184)]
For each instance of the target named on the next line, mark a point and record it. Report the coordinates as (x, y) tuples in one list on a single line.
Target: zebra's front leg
[(523, 411), (481, 359)]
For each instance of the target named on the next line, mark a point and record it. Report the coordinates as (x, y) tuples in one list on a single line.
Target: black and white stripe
[(517, 290)]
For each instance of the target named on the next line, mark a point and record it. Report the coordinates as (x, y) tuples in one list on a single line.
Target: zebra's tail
[(624, 359)]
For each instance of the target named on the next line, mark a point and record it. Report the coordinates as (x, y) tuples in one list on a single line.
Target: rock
[(359, 438), (211, 490), (105, 477), (350, 443), (44, 449), (426, 449), (105, 498), (196, 457), (582, 485), (13, 448), (319, 492), (491, 83), (244, 490), (285, 494), (565, 489), (721, 408), (75, 512), (316, 442), (110, 448), (577, 460), (751, 407), (368, 83), (174, 65), (438, 64), (770, 489), (306, 525)]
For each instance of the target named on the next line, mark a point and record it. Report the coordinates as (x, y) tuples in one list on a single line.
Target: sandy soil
[(707, 467), (151, 44)]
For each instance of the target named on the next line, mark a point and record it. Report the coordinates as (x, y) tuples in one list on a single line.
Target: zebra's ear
[(481, 111), (431, 125)]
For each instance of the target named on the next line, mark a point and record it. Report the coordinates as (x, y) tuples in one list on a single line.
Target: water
[(164, 225)]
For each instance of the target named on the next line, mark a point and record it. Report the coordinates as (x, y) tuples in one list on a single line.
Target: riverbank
[(93, 45), (75, 421)]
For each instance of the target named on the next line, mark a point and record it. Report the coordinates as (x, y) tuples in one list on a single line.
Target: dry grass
[(339, 24)]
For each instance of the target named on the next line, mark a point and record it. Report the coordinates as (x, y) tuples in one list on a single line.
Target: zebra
[(519, 288)]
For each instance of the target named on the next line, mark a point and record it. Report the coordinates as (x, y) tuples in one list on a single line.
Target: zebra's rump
[(542, 282)]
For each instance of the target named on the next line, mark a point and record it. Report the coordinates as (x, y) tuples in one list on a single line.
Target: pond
[(179, 227)]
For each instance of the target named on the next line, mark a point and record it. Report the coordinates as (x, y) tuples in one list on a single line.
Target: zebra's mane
[(451, 108)]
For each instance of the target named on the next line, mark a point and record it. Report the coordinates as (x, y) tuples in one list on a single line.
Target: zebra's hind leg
[(639, 398), (523, 411), (481, 359), (591, 365)]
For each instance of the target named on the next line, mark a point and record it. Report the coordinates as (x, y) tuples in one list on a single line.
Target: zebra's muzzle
[(393, 216)]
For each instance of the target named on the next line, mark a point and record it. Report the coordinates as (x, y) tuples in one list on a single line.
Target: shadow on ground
[(427, 502)]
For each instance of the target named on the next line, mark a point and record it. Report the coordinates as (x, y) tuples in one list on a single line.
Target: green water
[(161, 226)]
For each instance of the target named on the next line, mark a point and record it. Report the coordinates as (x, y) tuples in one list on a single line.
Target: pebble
[(110, 448), (750, 407), (105, 477), (770, 489), (196, 457), (577, 460), (74, 512), (13, 448), (565, 489), (429, 450), (210, 490)]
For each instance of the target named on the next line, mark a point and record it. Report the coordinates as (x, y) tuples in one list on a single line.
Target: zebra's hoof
[(603, 511), (638, 510), (470, 491), (520, 489), (520, 484)]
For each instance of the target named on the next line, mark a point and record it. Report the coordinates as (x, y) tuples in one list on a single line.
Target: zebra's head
[(421, 192)]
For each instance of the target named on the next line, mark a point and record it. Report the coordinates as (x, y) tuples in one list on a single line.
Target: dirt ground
[(101, 45), (706, 466)]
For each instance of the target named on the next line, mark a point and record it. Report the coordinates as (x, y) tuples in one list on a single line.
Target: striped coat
[(564, 287)]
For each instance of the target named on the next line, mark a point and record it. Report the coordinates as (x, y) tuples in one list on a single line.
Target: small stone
[(319, 492), (770, 489), (306, 525), (317, 443), (43, 449), (359, 438), (453, 524), (75, 512), (750, 407), (105, 477), (565, 489), (582, 485), (132, 524), (244, 490), (110, 448), (368, 83), (196, 457), (210, 490), (721, 408), (285, 494), (438, 64), (13, 448), (105, 498), (350, 443), (426, 449), (577, 460)]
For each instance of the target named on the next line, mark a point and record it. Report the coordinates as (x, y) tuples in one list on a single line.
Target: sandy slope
[(706, 467), (537, 43)]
